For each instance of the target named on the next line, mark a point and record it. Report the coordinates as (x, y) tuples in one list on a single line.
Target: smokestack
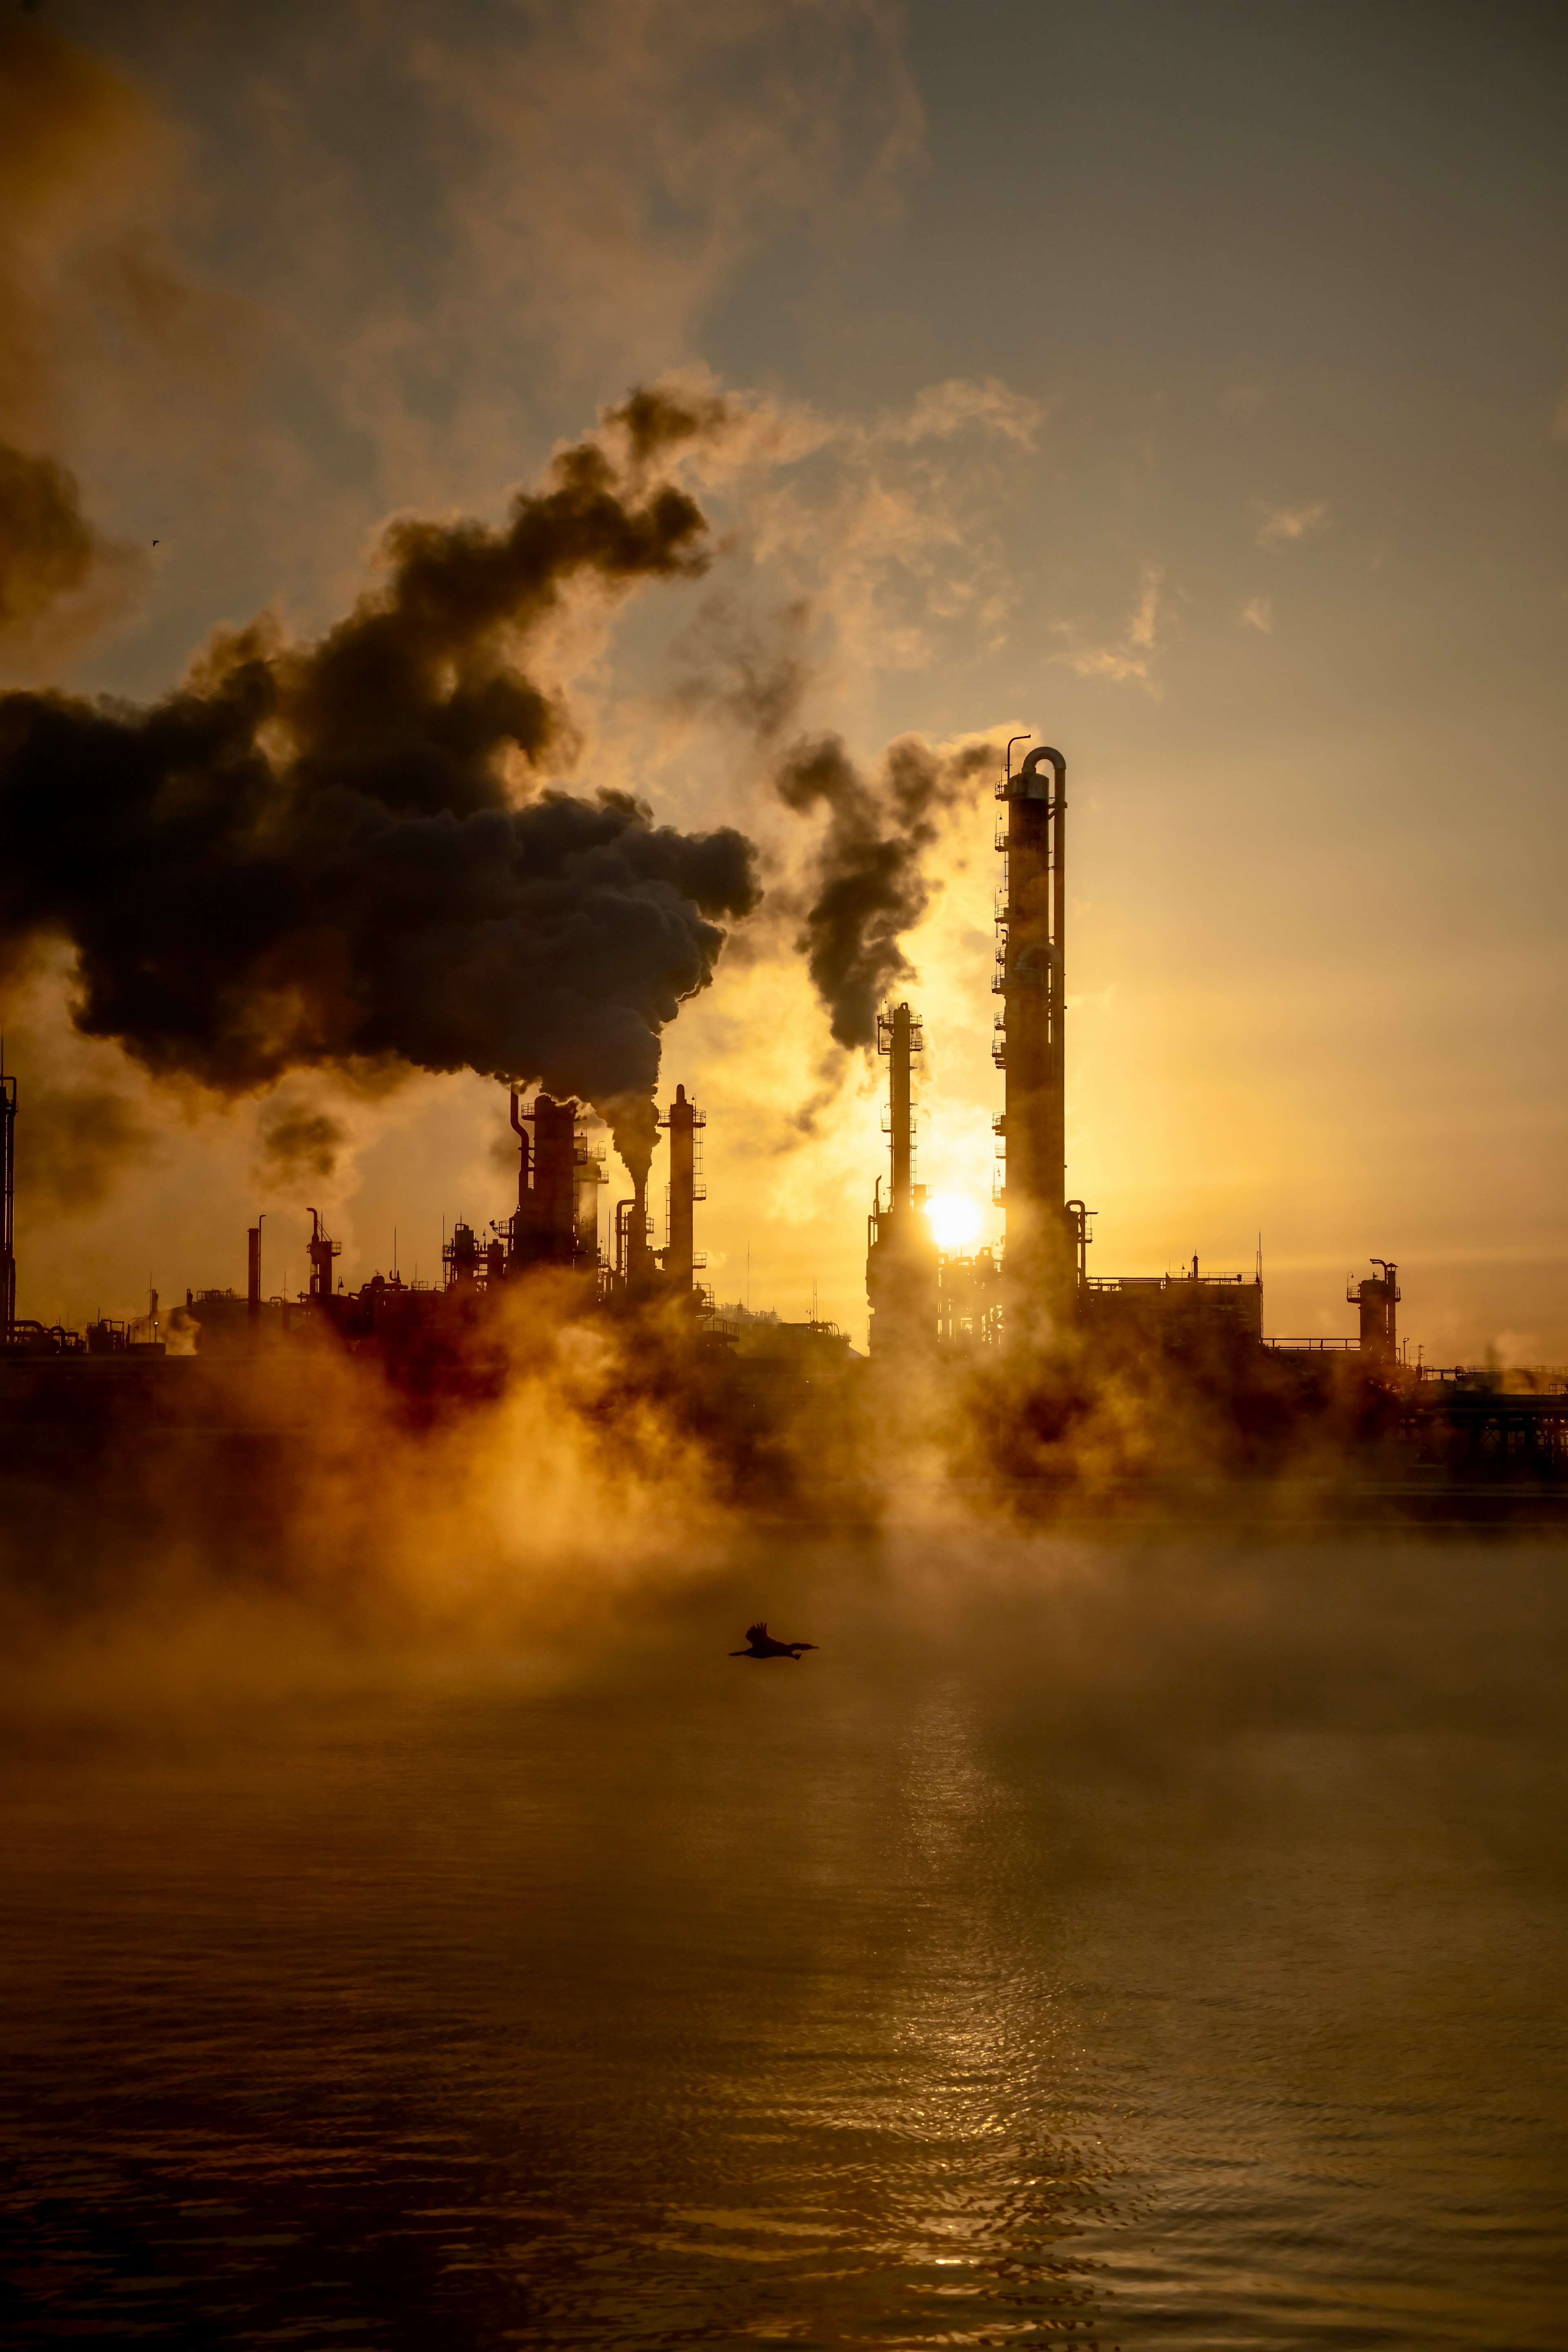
[(685, 1123), (1038, 1269), (636, 1230), (8, 1209), (900, 1036), (253, 1289), (900, 1257)]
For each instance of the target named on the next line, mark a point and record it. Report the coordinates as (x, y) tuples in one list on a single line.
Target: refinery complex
[(1019, 1314)]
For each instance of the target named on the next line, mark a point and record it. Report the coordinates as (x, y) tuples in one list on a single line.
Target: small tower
[(1377, 1297), (320, 1252)]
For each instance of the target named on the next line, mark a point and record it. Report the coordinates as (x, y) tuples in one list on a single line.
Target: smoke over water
[(314, 854)]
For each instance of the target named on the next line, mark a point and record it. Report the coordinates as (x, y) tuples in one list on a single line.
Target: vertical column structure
[(253, 1287), (683, 1121), (556, 1175), (320, 1250), (1038, 1272), (1377, 1297), (900, 1255), (7, 1210), (897, 1032)]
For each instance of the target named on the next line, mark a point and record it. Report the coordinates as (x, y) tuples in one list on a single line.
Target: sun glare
[(954, 1219)]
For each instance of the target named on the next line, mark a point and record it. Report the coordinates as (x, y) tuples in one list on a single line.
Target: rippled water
[(1157, 1946)]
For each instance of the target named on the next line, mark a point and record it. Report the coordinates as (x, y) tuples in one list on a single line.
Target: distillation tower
[(8, 1209), (1039, 1273), (685, 1124)]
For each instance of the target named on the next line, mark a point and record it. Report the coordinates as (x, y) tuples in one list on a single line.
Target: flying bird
[(760, 1644)]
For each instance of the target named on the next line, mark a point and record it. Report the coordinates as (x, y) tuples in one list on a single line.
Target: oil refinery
[(1028, 1314)]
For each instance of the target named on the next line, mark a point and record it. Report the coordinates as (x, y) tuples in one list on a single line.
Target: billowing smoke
[(868, 883), (312, 854), (297, 1142)]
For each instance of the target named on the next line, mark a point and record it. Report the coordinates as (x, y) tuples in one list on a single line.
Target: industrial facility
[(948, 1314)]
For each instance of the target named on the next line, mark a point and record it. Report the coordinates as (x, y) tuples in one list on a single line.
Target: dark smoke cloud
[(869, 885), (658, 417), (308, 855), (296, 1142)]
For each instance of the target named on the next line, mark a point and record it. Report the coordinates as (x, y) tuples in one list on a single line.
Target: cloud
[(944, 409), (60, 579), (93, 307), (1129, 659), (1257, 613), (1283, 525), (73, 1144), (851, 543), (708, 132)]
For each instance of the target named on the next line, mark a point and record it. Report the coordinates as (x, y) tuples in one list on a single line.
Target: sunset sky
[(1185, 381)]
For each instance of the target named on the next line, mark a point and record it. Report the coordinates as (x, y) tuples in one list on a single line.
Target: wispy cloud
[(852, 542), (1283, 525), (1257, 613), (1130, 658)]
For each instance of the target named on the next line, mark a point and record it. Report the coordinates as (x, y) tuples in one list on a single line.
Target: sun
[(954, 1219)]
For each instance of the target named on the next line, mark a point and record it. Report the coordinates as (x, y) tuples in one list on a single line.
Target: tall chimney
[(897, 1032), (901, 1254), (253, 1289), (8, 1209), (1038, 1272), (684, 1121)]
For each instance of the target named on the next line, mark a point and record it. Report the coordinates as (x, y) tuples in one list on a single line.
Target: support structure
[(1039, 1273), (900, 1255)]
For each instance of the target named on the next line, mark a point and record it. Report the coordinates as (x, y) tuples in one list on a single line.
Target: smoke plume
[(868, 883), (297, 1142), (311, 854)]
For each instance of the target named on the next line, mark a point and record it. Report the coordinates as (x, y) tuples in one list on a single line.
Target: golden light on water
[(954, 1219)]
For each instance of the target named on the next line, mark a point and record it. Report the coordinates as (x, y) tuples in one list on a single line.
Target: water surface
[(1145, 1945)]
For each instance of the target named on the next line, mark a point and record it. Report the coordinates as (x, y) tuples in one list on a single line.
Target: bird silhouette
[(760, 1644)]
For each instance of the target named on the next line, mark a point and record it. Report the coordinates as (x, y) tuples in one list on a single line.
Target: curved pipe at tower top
[(1028, 779)]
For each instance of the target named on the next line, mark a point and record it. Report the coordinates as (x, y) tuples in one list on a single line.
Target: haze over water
[(1150, 1943)]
